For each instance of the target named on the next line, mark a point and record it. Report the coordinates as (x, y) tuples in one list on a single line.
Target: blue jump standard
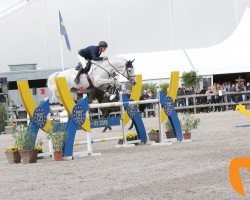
[(135, 116), (39, 119), (104, 122), (74, 123), (168, 105)]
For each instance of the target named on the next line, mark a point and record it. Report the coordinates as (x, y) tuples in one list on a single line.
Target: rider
[(88, 54)]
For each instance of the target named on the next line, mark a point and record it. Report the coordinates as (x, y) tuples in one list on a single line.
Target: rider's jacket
[(91, 53)]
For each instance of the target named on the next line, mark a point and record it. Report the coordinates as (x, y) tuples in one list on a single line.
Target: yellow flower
[(12, 148), (39, 148)]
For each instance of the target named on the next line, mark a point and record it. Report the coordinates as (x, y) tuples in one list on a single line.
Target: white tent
[(230, 56), (158, 65)]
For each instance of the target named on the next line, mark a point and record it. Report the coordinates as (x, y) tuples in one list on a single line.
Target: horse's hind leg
[(104, 130), (131, 126)]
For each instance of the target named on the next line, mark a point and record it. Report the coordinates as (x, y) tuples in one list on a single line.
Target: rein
[(120, 72), (102, 68), (127, 77)]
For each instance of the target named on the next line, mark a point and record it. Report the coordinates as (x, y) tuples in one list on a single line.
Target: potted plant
[(188, 123), (2, 118), (129, 137), (58, 140), (39, 148), (12, 154), (169, 130), (9, 129), (153, 135), (25, 142)]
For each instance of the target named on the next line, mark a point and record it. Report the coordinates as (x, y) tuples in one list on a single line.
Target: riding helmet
[(103, 44)]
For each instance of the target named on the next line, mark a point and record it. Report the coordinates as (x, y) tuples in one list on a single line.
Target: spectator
[(181, 92), (248, 90), (150, 106), (209, 98), (144, 96)]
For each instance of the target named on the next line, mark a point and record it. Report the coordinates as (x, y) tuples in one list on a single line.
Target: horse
[(103, 74)]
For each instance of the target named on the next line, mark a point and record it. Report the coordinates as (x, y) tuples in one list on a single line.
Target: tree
[(190, 78), (164, 87), (151, 86)]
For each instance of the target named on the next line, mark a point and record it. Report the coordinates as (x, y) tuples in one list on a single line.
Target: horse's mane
[(112, 59)]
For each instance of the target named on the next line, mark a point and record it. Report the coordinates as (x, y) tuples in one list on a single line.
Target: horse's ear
[(128, 63), (132, 61)]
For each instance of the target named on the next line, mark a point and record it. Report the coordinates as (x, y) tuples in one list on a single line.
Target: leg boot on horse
[(107, 127), (131, 126)]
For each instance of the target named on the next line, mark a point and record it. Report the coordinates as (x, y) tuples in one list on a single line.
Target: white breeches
[(83, 61)]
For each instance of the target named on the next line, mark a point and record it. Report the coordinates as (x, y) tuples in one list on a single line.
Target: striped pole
[(116, 104), (99, 140)]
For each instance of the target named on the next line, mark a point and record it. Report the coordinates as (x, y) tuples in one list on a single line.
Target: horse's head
[(121, 66), (130, 72)]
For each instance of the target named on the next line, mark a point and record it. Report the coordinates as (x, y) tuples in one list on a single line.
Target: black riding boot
[(77, 79), (87, 68), (79, 66)]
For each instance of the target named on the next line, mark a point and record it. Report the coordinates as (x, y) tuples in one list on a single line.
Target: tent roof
[(229, 56)]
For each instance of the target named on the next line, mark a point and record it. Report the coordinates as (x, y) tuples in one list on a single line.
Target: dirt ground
[(183, 170)]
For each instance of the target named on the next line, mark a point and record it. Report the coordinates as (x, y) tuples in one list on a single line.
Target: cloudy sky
[(7, 3)]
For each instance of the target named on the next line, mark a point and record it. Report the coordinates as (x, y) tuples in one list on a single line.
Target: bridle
[(127, 66)]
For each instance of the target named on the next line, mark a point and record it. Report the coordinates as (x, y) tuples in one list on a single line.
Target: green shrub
[(164, 87), (168, 125), (190, 78), (151, 86), (58, 135), (24, 137), (189, 122)]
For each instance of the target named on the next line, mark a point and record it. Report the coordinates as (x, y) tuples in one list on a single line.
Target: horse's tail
[(51, 83)]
